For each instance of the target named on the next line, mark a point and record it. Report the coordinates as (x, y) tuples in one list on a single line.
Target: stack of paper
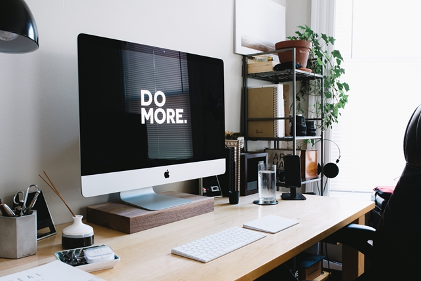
[(52, 271)]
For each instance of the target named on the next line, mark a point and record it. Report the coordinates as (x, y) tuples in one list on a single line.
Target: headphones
[(330, 170)]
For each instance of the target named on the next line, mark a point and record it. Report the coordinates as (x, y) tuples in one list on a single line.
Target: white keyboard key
[(218, 244)]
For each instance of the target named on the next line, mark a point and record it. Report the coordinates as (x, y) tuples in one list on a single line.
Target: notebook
[(266, 102), (270, 223), (52, 271)]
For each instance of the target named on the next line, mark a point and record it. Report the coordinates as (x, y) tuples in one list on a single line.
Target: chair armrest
[(356, 236)]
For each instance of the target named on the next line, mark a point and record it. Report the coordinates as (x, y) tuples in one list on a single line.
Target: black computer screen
[(142, 106)]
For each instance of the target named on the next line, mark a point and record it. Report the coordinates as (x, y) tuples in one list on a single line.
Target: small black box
[(248, 171)]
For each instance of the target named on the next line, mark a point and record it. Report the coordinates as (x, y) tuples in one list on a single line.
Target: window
[(379, 41)]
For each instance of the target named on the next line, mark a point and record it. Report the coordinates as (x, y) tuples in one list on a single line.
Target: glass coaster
[(258, 202)]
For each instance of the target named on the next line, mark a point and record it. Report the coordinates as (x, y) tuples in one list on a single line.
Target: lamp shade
[(18, 30)]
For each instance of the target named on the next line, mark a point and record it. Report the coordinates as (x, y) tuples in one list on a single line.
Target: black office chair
[(396, 250)]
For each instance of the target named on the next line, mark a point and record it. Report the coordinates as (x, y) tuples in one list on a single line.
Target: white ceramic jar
[(77, 234)]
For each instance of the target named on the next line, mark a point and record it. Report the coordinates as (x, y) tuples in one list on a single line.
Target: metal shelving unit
[(289, 75), (284, 76)]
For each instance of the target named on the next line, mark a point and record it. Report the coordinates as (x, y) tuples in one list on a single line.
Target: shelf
[(279, 118), (282, 184), (284, 76), (287, 138), (278, 77), (312, 180)]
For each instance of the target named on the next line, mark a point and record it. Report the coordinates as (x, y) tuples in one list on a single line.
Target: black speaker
[(292, 167), (301, 127), (311, 128), (330, 170)]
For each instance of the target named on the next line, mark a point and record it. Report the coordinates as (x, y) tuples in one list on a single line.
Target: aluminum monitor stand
[(146, 198)]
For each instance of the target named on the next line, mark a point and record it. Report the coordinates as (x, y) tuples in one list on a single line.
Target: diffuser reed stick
[(56, 191)]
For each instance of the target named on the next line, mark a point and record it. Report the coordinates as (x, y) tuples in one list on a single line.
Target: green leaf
[(346, 86), (346, 98), (336, 54), (333, 89), (328, 95)]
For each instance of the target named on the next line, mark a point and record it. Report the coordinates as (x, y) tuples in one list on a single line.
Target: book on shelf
[(233, 164), (266, 102), (226, 181), (286, 108)]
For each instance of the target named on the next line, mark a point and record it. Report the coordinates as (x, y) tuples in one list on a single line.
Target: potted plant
[(334, 90), (302, 47)]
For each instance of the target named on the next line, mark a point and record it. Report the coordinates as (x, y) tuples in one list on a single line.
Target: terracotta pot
[(302, 51)]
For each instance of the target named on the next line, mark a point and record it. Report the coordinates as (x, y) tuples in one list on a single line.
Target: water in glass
[(267, 183)]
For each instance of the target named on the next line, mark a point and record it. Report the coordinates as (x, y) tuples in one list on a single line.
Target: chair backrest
[(397, 245)]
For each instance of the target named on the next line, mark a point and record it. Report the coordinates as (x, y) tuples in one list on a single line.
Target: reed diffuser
[(77, 234)]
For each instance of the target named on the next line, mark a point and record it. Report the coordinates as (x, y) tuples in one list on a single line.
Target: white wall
[(39, 90), (298, 13)]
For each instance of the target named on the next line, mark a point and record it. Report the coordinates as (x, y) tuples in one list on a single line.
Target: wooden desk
[(146, 255)]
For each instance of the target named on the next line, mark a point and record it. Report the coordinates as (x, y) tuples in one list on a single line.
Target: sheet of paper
[(52, 271), (270, 223)]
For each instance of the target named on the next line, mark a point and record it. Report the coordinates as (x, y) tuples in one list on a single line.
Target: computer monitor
[(148, 116)]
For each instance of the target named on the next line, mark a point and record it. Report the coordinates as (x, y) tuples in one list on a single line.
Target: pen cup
[(18, 236), (234, 196)]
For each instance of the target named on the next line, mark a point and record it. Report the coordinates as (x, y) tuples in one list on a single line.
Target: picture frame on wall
[(259, 25)]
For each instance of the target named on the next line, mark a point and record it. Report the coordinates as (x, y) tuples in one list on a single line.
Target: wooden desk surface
[(146, 255)]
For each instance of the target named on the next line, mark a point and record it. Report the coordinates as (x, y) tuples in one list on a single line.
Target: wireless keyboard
[(218, 244)]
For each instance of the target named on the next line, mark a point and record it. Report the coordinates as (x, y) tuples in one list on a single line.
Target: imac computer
[(148, 116)]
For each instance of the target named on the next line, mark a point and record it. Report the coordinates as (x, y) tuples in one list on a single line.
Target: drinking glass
[(266, 183)]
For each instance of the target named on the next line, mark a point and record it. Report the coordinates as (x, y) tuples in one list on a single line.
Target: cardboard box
[(261, 66), (309, 166), (309, 266)]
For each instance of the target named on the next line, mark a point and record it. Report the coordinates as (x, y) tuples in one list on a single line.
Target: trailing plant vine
[(333, 90)]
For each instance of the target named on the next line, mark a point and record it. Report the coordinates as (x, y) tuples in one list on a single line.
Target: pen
[(23, 211), (3, 211), (6, 211), (19, 211)]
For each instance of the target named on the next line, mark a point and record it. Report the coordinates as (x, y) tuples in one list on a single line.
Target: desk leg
[(352, 260)]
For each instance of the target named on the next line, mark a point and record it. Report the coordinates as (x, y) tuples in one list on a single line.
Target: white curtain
[(382, 71), (323, 21)]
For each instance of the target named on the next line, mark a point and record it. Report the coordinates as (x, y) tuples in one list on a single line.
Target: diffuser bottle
[(77, 234)]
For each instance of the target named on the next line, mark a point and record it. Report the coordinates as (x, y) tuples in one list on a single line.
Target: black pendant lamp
[(18, 30)]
